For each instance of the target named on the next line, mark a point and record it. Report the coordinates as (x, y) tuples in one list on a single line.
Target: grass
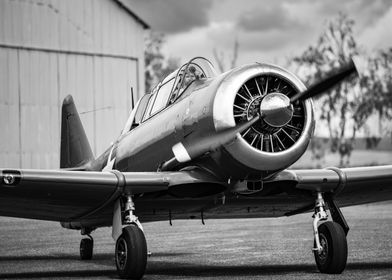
[(358, 158)]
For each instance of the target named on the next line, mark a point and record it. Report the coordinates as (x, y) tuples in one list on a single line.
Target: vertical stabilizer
[(75, 149)]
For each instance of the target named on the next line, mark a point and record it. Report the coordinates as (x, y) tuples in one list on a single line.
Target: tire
[(131, 253), (333, 258), (86, 249)]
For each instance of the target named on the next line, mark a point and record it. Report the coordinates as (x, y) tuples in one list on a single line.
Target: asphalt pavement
[(277, 248)]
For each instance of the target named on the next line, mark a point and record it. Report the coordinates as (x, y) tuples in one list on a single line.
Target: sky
[(267, 31)]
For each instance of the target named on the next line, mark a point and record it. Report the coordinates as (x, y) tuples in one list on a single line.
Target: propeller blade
[(200, 146), (332, 79), (188, 150)]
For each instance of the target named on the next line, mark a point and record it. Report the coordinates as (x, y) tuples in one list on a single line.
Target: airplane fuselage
[(204, 108)]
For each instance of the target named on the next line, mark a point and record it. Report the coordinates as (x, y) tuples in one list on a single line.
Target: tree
[(220, 57), (386, 76), (335, 47), (376, 86), (156, 65)]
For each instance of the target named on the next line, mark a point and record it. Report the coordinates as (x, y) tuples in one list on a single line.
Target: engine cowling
[(268, 145)]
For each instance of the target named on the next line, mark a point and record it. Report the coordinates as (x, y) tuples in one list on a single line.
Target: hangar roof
[(130, 12)]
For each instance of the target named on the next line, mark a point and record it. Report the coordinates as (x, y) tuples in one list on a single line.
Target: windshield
[(168, 91), (197, 68)]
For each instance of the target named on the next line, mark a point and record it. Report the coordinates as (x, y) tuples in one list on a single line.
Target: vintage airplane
[(200, 145)]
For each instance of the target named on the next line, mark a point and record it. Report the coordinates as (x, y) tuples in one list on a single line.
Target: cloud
[(189, 44), (377, 36), (372, 9), (273, 39), (172, 16), (273, 46), (266, 30), (273, 16), (271, 27), (364, 12)]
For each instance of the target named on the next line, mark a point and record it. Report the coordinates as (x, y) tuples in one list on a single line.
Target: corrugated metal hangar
[(91, 49)]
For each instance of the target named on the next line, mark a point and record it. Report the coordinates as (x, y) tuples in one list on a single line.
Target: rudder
[(75, 149)]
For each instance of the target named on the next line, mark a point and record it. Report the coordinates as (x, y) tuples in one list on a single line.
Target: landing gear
[(131, 246), (131, 253), (86, 248), (333, 256), (330, 243)]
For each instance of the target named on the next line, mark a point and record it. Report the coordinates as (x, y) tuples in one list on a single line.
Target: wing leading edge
[(350, 186)]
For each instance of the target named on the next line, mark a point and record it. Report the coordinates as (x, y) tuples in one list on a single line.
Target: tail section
[(75, 149)]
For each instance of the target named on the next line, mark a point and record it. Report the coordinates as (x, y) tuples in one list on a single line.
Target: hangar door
[(33, 84)]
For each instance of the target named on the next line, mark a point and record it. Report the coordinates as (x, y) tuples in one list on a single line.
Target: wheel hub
[(122, 253), (323, 254)]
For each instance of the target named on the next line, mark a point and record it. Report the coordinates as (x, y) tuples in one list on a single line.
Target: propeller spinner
[(276, 109)]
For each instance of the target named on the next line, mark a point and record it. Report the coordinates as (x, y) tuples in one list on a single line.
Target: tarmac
[(277, 248)]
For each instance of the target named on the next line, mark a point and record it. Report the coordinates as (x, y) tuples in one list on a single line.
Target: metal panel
[(52, 48), (37, 17), (53, 22), (39, 109), (3, 21), (27, 127), (83, 93), (35, 109), (96, 7), (105, 102), (12, 29), (122, 40), (63, 40), (9, 108), (94, 26), (112, 86), (54, 109), (25, 18)]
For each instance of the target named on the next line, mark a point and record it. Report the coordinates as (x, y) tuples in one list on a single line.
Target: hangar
[(93, 50)]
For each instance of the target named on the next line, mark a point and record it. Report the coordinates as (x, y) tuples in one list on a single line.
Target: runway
[(231, 249)]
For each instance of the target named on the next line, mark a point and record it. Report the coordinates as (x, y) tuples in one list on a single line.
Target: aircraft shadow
[(102, 259), (52, 257), (181, 269), (170, 268), (58, 274), (168, 254)]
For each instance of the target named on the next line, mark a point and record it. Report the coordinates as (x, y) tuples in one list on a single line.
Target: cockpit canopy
[(170, 89)]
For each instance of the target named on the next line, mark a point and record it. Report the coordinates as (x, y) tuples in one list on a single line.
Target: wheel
[(333, 258), (86, 249), (131, 253)]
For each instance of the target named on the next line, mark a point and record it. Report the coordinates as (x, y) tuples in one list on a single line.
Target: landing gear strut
[(86, 246), (131, 246), (330, 243)]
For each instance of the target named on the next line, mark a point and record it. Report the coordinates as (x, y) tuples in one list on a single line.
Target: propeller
[(332, 79), (275, 109)]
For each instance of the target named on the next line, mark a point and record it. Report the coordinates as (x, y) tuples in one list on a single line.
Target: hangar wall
[(91, 49)]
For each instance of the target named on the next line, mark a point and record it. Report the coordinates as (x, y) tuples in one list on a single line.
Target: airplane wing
[(349, 186), (78, 198), (66, 196)]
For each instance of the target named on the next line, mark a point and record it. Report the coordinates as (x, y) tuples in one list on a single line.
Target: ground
[(358, 158), (277, 248)]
